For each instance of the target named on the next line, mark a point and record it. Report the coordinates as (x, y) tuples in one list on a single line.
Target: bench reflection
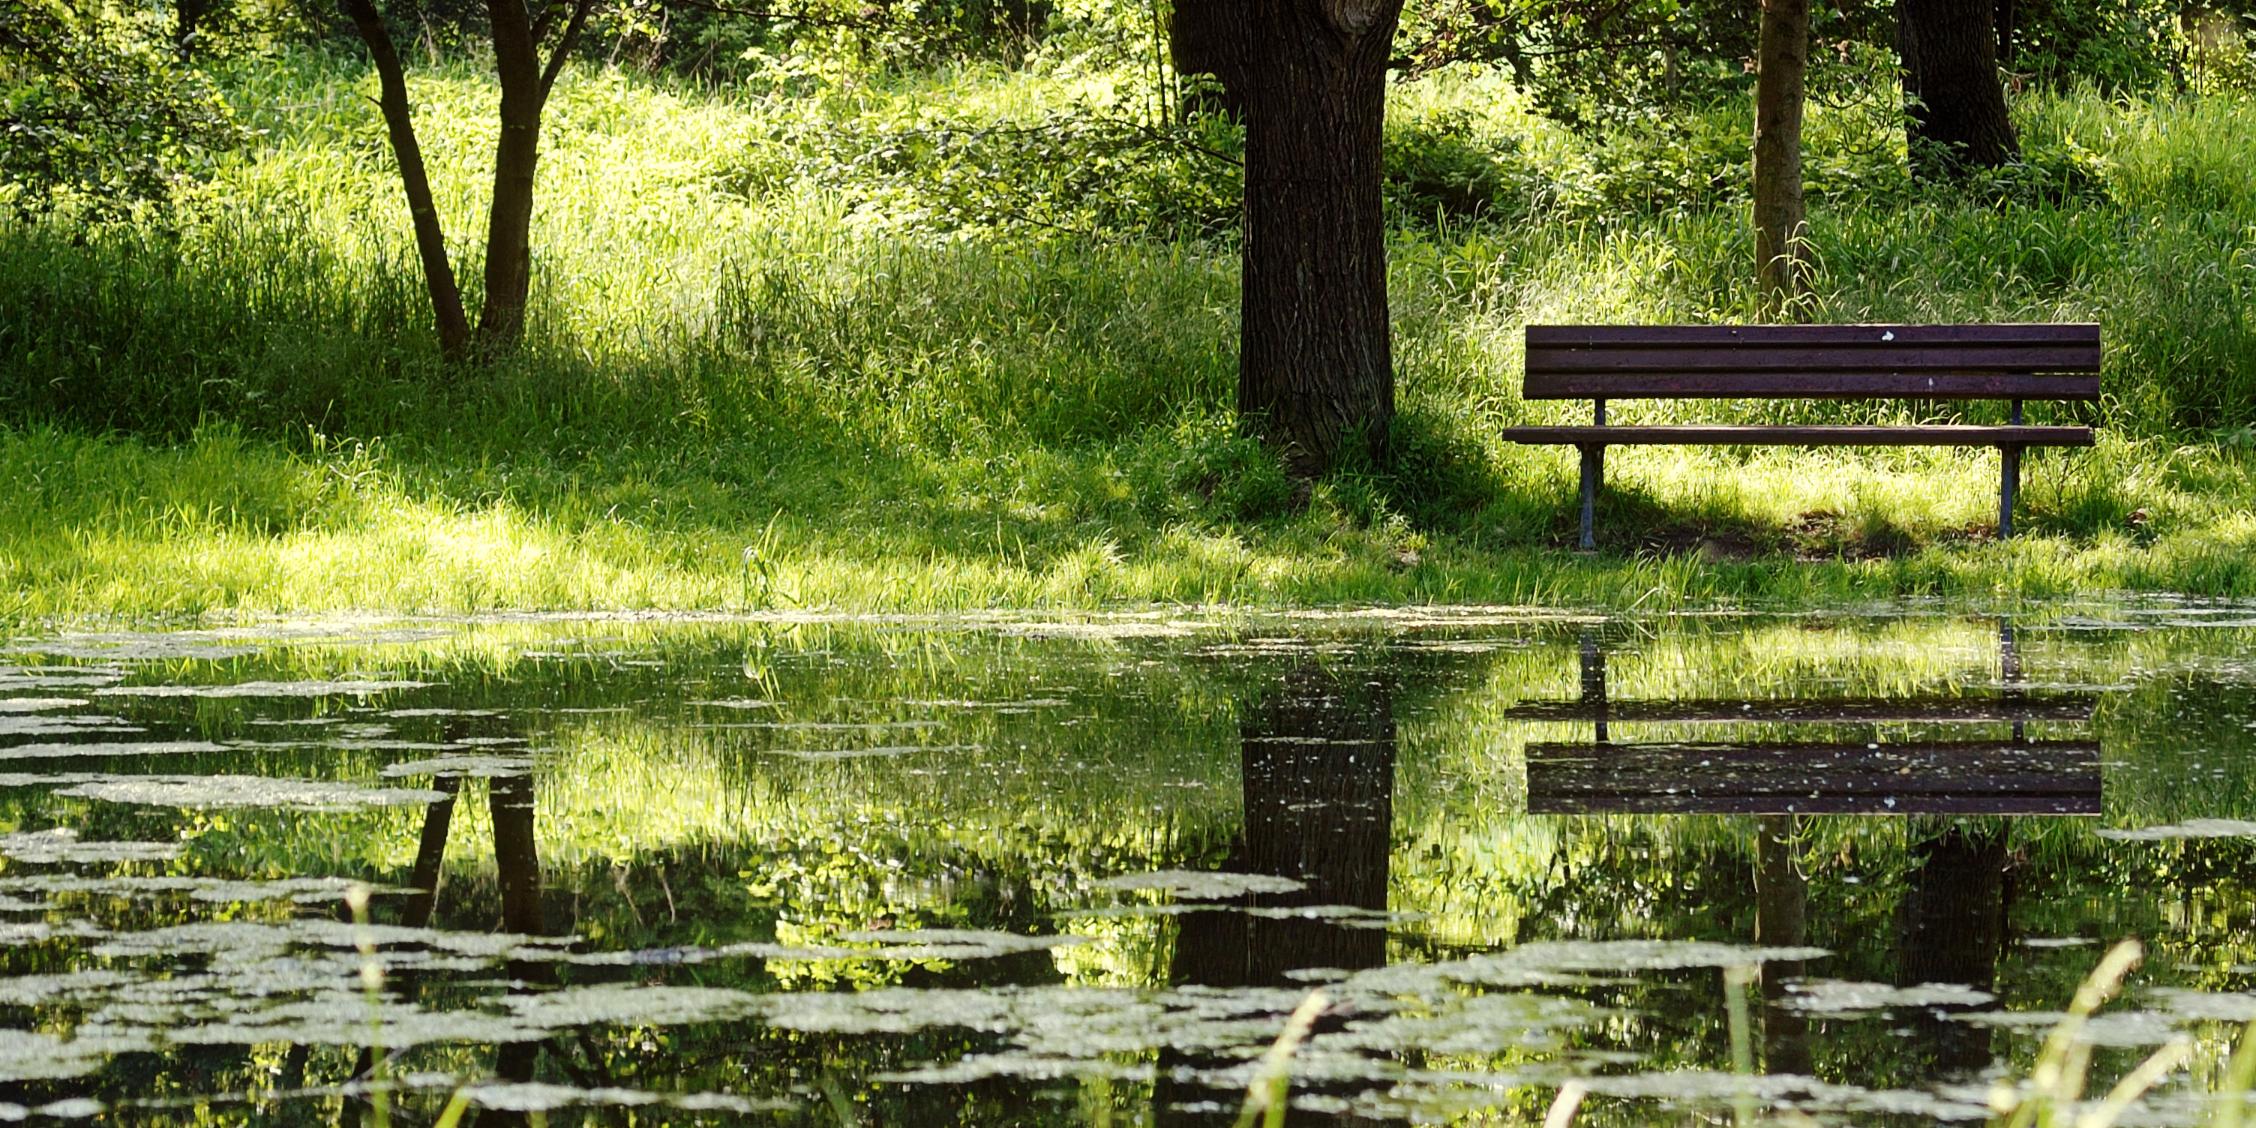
[(1956, 774)]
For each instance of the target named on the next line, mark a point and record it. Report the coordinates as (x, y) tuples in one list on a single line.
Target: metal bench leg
[(1593, 468), (2009, 484)]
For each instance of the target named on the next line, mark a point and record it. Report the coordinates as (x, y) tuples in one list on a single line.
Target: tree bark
[(1954, 114), (1204, 37), (399, 121), (1782, 60), (509, 223), (1315, 365)]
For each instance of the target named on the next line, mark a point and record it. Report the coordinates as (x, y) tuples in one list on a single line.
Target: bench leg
[(1593, 468), (2009, 484)]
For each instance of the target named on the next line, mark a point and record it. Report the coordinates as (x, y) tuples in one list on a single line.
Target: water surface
[(1019, 871)]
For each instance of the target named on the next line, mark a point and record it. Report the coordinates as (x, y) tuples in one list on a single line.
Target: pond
[(1019, 870)]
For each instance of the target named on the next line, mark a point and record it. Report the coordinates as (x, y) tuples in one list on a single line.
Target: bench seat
[(1721, 435), (1919, 363)]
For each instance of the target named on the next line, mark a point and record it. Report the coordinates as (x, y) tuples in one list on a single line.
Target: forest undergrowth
[(966, 338)]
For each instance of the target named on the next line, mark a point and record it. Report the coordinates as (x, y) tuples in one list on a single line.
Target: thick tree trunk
[(1204, 37), (1315, 361), (422, 210), (509, 801), (1317, 768), (1955, 118), (1950, 928), (1782, 58)]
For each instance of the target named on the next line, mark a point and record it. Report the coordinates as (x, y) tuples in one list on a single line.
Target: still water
[(1695, 869)]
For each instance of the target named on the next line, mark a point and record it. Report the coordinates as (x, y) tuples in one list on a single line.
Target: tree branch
[(562, 52)]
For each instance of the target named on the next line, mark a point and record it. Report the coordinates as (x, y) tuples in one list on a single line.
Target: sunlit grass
[(747, 390)]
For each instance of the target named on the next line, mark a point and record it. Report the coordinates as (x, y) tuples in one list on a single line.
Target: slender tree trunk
[(1204, 37), (430, 854), (1781, 921), (509, 802), (509, 225), (1315, 364), (1955, 118), (399, 120), (1781, 263)]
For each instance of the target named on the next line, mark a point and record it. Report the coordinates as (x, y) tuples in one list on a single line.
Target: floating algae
[(877, 753), (474, 766), (1200, 885), (2191, 828), (39, 704), (33, 1055), (227, 791), (107, 749), (1845, 997), (41, 724), (340, 688), (61, 846), (540, 1097), (631, 1005)]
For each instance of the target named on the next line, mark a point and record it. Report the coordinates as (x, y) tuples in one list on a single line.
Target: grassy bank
[(765, 372)]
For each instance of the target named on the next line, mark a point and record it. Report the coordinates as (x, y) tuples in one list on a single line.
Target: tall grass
[(728, 340)]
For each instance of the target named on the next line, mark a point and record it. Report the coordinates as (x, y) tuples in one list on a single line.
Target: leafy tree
[(93, 109), (519, 33)]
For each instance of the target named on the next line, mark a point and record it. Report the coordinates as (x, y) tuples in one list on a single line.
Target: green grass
[(755, 381)]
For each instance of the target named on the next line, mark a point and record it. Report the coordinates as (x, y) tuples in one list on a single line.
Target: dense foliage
[(956, 325), (94, 108)]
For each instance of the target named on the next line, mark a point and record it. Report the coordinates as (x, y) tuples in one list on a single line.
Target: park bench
[(1799, 362), (1927, 775)]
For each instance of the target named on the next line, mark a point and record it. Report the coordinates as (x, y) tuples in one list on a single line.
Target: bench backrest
[(1956, 362)]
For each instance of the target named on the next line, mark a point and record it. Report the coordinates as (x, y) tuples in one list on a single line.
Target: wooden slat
[(2084, 801), (1998, 777), (1819, 358), (1742, 384), (1879, 710), (1878, 335), (1720, 435)]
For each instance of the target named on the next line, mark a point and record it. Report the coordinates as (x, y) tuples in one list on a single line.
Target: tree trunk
[(1954, 113), (509, 225), (1317, 754), (188, 18), (1315, 364), (1950, 928), (399, 120), (1781, 262), (509, 802), (1204, 37), (1781, 921)]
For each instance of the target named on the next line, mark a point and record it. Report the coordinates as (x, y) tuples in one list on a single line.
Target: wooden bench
[(1865, 775), (1799, 362)]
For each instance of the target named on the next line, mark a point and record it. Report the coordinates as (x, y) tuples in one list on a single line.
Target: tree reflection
[(1950, 928), (1317, 752)]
